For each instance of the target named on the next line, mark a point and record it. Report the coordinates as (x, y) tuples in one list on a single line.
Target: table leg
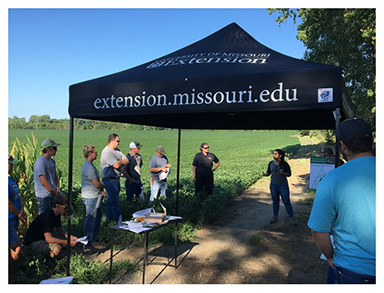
[(175, 244), (145, 257), (110, 265)]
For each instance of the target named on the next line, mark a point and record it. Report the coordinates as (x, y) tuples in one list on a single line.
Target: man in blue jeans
[(111, 162), (345, 207), (159, 167), (46, 182)]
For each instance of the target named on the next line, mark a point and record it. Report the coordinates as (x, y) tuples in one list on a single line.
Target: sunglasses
[(206, 148), (64, 207)]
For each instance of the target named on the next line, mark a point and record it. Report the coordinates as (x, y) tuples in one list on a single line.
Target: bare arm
[(44, 182), (97, 183), (57, 182), (158, 169), (216, 166), (194, 173), (12, 208), (50, 239), (324, 244)]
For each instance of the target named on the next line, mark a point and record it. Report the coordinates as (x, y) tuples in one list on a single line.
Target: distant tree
[(346, 38)]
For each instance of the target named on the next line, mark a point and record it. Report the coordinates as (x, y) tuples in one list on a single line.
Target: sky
[(50, 49)]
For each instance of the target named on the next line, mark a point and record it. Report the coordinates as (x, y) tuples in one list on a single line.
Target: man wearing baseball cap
[(158, 165), (134, 170), (47, 183), (345, 207)]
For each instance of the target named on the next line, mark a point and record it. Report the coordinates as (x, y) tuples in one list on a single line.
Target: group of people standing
[(46, 236), (344, 204)]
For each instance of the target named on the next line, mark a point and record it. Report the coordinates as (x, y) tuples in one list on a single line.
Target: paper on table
[(172, 218), (83, 240), (134, 230), (164, 209), (142, 213)]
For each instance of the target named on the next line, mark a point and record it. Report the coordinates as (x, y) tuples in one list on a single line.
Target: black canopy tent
[(227, 80)]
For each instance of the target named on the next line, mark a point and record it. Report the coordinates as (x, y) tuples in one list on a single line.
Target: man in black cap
[(345, 207)]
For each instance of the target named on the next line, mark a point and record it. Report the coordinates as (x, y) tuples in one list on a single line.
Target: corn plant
[(27, 154)]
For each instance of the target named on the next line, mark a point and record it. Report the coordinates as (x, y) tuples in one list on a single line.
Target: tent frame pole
[(178, 171), (337, 146), (69, 211)]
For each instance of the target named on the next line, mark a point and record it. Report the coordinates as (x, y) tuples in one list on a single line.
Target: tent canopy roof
[(227, 80)]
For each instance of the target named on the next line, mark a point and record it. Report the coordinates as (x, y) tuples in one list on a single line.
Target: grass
[(255, 239)]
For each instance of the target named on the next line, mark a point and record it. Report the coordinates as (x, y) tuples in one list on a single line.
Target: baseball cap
[(355, 131), (160, 149), (134, 144), (49, 143), (12, 160)]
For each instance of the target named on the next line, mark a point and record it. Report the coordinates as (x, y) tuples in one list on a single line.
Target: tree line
[(46, 122), (342, 37)]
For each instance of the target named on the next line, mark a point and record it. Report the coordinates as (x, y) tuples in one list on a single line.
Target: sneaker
[(273, 220)]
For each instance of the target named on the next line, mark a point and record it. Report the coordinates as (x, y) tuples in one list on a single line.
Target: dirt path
[(243, 248)]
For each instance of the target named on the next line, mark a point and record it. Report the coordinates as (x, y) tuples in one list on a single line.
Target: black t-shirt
[(274, 169), (43, 223), (204, 163)]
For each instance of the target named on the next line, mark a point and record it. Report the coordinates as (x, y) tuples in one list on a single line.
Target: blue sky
[(50, 49)]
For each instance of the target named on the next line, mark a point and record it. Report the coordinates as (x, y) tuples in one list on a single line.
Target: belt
[(110, 178)]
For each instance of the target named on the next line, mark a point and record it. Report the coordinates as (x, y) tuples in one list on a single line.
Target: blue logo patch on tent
[(325, 95)]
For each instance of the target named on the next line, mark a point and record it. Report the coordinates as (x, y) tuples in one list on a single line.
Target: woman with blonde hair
[(92, 191)]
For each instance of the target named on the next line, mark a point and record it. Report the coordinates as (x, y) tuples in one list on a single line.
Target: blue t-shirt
[(88, 173), (157, 162), (345, 206), (13, 195)]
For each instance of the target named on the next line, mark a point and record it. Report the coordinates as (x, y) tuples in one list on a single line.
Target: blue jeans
[(44, 203), (112, 211), (156, 187), (344, 276), (283, 191), (92, 219), (134, 189), (13, 226)]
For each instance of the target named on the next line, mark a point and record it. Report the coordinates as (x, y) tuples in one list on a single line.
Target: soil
[(242, 247)]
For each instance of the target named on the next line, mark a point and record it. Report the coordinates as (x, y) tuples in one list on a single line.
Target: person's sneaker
[(273, 220), (293, 221)]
